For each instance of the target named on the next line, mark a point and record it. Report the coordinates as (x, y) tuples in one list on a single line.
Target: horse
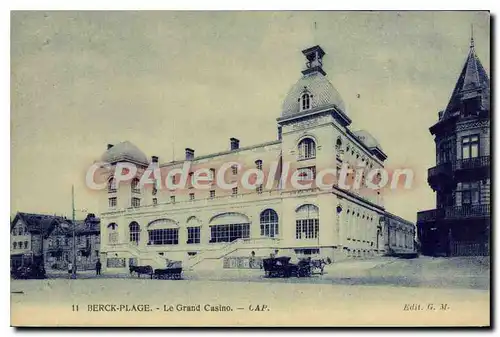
[(319, 264), (148, 270)]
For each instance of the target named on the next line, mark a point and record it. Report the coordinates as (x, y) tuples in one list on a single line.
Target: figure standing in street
[(70, 269), (98, 266)]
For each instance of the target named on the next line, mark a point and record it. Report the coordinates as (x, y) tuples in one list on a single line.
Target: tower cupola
[(314, 56)]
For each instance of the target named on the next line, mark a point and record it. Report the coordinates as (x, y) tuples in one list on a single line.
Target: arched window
[(229, 226), (305, 101), (307, 222), (135, 186), (25, 244), (163, 232), (338, 149), (113, 233), (338, 145), (135, 232), (112, 185), (14, 245), (307, 149), (193, 230), (269, 223)]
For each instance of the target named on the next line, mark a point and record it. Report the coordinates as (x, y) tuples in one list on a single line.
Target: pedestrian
[(98, 266), (70, 268), (251, 261)]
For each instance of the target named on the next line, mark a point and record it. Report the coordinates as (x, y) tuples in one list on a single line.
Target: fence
[(460, 248), (242, 262)]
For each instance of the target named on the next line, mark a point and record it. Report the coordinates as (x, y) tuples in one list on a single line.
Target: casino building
[(233, 228)]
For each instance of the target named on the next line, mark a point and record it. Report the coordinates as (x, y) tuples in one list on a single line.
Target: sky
[(169, 80)]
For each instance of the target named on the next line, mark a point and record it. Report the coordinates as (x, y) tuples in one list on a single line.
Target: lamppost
[(73, 271)]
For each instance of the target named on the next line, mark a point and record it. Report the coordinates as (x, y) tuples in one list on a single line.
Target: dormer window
[(305, 101)]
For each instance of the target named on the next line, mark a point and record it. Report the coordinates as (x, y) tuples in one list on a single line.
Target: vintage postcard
[(287, 168)]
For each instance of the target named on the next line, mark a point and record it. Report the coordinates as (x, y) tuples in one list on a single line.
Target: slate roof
[(324, 94), (124, 151), (473, 80), (34, 222)]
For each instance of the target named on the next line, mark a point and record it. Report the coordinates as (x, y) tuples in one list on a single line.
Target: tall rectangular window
[(172, 198), (191, 196), (155, 201), (112, 202), (234, 168), (235, 191), (307, 229), (307, 173), (470, 193), (445, 152), (258, 164), (190, 179), (193, 235), (212, 194), (212, 175), (470, 147), (136, 202)]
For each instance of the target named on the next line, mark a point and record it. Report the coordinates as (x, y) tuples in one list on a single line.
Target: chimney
[(235, 144), (110, 146), (189, 153), (154, 159)]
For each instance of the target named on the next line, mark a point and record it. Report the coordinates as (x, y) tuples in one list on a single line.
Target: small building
[(49, 239)]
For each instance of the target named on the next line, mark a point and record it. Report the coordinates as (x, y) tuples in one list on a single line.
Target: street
[(374, 295)]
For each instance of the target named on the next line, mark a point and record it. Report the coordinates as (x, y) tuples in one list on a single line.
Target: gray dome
[(323, 92), (367, 139), (124, 151)]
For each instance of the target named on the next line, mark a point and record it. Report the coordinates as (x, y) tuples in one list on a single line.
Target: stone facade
[(212, 225)]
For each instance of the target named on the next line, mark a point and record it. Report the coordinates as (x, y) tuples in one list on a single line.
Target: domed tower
[(313, 117), (124, 194)]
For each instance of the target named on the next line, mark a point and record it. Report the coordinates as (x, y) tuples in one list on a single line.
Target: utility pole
[(73, 272)]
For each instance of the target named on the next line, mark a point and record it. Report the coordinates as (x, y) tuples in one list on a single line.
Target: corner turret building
[(460, 223)]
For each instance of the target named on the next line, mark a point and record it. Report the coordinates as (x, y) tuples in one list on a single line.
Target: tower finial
[(472, 36), (315, 32)]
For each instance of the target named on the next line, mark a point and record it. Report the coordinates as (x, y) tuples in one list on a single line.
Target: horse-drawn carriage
[(173, 271), (27, 266), (282, 267), (140, 270)]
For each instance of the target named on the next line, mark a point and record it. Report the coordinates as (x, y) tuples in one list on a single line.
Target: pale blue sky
[(81, 80)]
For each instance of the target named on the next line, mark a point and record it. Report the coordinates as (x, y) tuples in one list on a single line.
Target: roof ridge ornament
[(471, 36)]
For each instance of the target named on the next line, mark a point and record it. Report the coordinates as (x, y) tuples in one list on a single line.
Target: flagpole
[(73, 272)]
